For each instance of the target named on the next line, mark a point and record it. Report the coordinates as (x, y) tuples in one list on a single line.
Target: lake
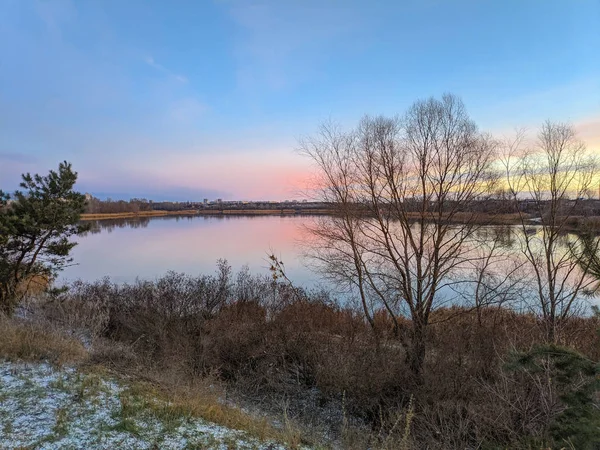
[(124, 249), (147, 248)]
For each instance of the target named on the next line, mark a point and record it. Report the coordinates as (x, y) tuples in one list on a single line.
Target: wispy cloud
[(152, 63)]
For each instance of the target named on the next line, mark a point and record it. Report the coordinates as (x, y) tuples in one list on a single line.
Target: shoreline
[(212, 212), (135, 215), (488, 219), (577, 222)]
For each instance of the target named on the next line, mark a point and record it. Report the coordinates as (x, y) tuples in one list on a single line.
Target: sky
[(192, 99)]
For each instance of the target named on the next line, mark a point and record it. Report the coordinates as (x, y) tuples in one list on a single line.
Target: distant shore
[(487, 219), (134, 215), (206, 212), (573, 224)]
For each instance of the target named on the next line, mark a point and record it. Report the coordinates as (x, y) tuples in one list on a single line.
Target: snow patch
[(48, 408)]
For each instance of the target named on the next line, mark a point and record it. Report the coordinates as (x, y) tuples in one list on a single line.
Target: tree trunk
[(551, 329), (416, 357)]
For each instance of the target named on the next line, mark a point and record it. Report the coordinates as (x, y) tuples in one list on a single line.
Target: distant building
[(219, 200), (205, 201)]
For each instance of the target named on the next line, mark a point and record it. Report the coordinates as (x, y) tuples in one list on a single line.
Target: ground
[(45, 407)]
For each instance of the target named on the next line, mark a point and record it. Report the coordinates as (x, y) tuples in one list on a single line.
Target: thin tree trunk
[(416, 357)]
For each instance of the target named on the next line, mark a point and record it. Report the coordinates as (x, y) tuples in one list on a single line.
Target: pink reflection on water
[(191, 245)]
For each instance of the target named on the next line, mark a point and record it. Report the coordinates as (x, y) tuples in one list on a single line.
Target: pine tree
[(576, 379), (36, 227)]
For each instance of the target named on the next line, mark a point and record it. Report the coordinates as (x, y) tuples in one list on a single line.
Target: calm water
[(148, 248), (127, 249)]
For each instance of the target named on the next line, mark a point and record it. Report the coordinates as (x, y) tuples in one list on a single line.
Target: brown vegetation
[(133, 206), (479, 218), (23, 340), (280, 350), (33, 285)]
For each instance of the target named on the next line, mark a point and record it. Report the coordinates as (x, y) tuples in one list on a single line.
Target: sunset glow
[(209, 99)]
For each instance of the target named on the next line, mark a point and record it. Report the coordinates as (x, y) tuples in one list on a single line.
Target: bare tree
[(403, 191), (495, 277), (550, 180)]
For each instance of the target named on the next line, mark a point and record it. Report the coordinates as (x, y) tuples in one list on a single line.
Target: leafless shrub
[(321, 359), (551, 178)]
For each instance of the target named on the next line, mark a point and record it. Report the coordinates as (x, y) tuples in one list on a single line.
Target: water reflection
[(108, 225), (513, 274), (125, 249), (149, 247), (503, 235)]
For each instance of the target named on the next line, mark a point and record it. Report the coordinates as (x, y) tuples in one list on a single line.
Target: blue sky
[(187, 99)]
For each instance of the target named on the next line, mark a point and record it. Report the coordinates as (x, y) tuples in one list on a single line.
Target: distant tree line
[(134, 205), (173, 206), (109, 206)]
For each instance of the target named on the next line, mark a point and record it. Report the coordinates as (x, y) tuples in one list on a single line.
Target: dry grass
[(201, 400), (170, 396), (33, 285), (480, 218), (184, 337), (34, 342), (586, 223), (168, 399)]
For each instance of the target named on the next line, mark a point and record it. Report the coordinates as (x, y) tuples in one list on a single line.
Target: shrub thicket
[(275, 345)]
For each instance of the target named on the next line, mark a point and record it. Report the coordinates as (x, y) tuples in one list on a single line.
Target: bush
[(275, 346)]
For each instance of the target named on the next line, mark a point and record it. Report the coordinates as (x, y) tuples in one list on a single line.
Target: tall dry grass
[(30, 341)]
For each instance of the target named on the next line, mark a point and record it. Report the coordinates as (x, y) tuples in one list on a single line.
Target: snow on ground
[(42, 407)]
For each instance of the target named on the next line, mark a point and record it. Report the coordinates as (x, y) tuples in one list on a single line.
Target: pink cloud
[(267, 175), (589, 131)]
